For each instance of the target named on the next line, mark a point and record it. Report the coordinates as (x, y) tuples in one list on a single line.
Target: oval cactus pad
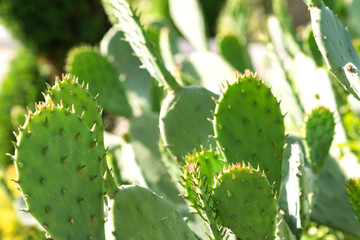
[(59, 174), (244, 200), (249, 126)]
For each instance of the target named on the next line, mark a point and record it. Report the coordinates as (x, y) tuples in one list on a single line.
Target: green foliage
[(53, 27), (20, 87), (66, 177)]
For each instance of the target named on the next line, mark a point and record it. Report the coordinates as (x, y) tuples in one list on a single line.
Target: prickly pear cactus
[(72, 94), (209, 163), (139, 213), (89, 65), (249, 126), (320, 129), (198, 183), (245, 202), (61, 179), (335, 46), (353, 191), (135, 34), (184, 124)]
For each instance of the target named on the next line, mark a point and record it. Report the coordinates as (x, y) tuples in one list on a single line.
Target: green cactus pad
[(74, 95), (235, 52), (89, 65), (139, 41), (332, 207), (335, 46), (245, 202), (139, 213), (249, 126), (353, 191), (198, 180), (320, 129), (145, 142), (59, 174), (70, 92), (210, 163), (184, 124)]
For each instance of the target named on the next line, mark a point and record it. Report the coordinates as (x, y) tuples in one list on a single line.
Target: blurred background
[(36, 37)]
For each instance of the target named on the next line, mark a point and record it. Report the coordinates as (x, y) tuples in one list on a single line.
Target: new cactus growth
[(245, 202), (320, 129), (353, 191), (249, 126), (47, 171), (206, 164)]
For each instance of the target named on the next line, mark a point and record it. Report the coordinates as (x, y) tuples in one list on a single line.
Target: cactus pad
[(249, 126), (89, 65), (184, 124), (139, 41), (72, 94), (353, 191), (139, 213), (245, 202), (210, 163), (336, 47), (320, 129), (59, 173)]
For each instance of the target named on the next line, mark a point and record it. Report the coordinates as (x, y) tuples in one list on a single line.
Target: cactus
[(249, 126), (88, 64), (320, 129), (336, 47), (139, 213), (353, 191), (139, 41), (187, 110), (195, 33), (208, 163), (47, 172), (295, 192), (247, 129), (235, 52), (245, 202)]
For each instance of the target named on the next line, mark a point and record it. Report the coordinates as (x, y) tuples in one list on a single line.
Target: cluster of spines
[(201, 199)]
